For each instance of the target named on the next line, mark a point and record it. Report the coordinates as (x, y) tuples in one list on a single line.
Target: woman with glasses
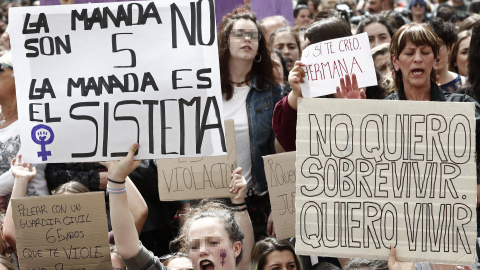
[(250, 91), (449, 81)]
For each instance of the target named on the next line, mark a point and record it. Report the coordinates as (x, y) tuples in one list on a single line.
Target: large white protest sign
[(375, 174), (92, 79), (328, 61)]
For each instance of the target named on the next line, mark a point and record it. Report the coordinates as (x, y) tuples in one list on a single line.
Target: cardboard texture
[(376, 173), (328, 61), (280, 174), (62, 232), (111, 82), (198, 178)]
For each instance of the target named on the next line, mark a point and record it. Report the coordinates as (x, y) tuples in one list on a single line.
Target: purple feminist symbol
[(42, 135), (223, 255)]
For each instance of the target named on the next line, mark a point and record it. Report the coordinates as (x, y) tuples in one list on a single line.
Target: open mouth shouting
[(207, 265), (417, 72)]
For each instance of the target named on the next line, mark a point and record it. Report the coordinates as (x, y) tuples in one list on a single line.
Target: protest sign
[(198, 178), (328, 61), (99, 77), (376, 173), (266, 8), (62, 232), (58, 2), (280, 174)]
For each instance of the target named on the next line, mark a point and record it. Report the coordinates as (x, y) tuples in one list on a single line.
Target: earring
[(259, 58)]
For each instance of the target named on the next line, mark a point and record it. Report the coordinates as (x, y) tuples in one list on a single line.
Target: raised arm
[(123, 225), (22, 173), (137, 205), (238, 186)]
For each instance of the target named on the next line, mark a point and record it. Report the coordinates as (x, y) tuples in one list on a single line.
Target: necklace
[(237, 84), (4, 120)]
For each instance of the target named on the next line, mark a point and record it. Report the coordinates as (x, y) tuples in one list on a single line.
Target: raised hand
[(238, 186), (393, 264), (349, 88), (22, 171), (118, 171)]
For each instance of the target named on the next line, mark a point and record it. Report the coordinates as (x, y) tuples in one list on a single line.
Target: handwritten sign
[(198, 178), (266, 8), (57, 2), (62, 232), (102, 76), (326, 62), (280, 174), (375, 174)]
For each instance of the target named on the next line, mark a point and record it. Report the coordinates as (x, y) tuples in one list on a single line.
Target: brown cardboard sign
[(62, 232), (280, 174), (374, 174), (198, 178)]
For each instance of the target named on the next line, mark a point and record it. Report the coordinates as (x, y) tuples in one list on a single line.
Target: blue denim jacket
[(260, 104)]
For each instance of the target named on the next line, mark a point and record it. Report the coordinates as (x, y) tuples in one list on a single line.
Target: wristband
[(116, 182), (239, 204)]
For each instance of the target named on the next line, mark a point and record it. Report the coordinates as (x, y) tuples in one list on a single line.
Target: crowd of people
[(423, 51)]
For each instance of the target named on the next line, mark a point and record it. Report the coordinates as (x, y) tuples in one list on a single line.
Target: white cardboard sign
[(328, 61), (374, 174), (95, 78)]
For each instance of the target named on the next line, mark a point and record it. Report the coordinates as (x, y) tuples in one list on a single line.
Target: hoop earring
[(259, 59)]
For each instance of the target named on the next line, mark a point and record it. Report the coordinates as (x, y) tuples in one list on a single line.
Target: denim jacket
[(260, 104)]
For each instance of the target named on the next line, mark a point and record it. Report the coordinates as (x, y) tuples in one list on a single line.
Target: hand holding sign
[(295, 77), (238, 186), (393, 264), (118, 171), (22, 171)]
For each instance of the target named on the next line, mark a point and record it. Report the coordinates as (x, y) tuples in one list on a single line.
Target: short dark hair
[(444, 30), (375, 19), (327, 29), (298, 8)]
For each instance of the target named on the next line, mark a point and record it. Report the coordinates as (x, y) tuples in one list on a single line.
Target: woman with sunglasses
[(250, 91), (419, 11)]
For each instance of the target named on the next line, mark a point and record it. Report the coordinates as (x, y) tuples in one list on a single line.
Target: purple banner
[(222, 7), (266, 8)]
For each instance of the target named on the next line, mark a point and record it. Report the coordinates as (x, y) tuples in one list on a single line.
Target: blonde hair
[(72, 187)]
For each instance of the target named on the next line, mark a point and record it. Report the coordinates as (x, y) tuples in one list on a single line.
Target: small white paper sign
[(328, 61)]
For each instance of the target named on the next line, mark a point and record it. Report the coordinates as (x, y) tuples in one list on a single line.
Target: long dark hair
[(263, 69), (268, 245), (474, 64)]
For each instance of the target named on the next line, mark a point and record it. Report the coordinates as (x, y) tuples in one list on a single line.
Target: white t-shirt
[(9, 148), (236, 109)]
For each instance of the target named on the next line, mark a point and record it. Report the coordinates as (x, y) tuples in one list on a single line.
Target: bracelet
[(240, 210), (239, 204), (116, 182), (116, 190)]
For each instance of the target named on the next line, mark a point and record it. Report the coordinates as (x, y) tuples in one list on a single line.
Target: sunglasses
[(418, 5), (242, 34)]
